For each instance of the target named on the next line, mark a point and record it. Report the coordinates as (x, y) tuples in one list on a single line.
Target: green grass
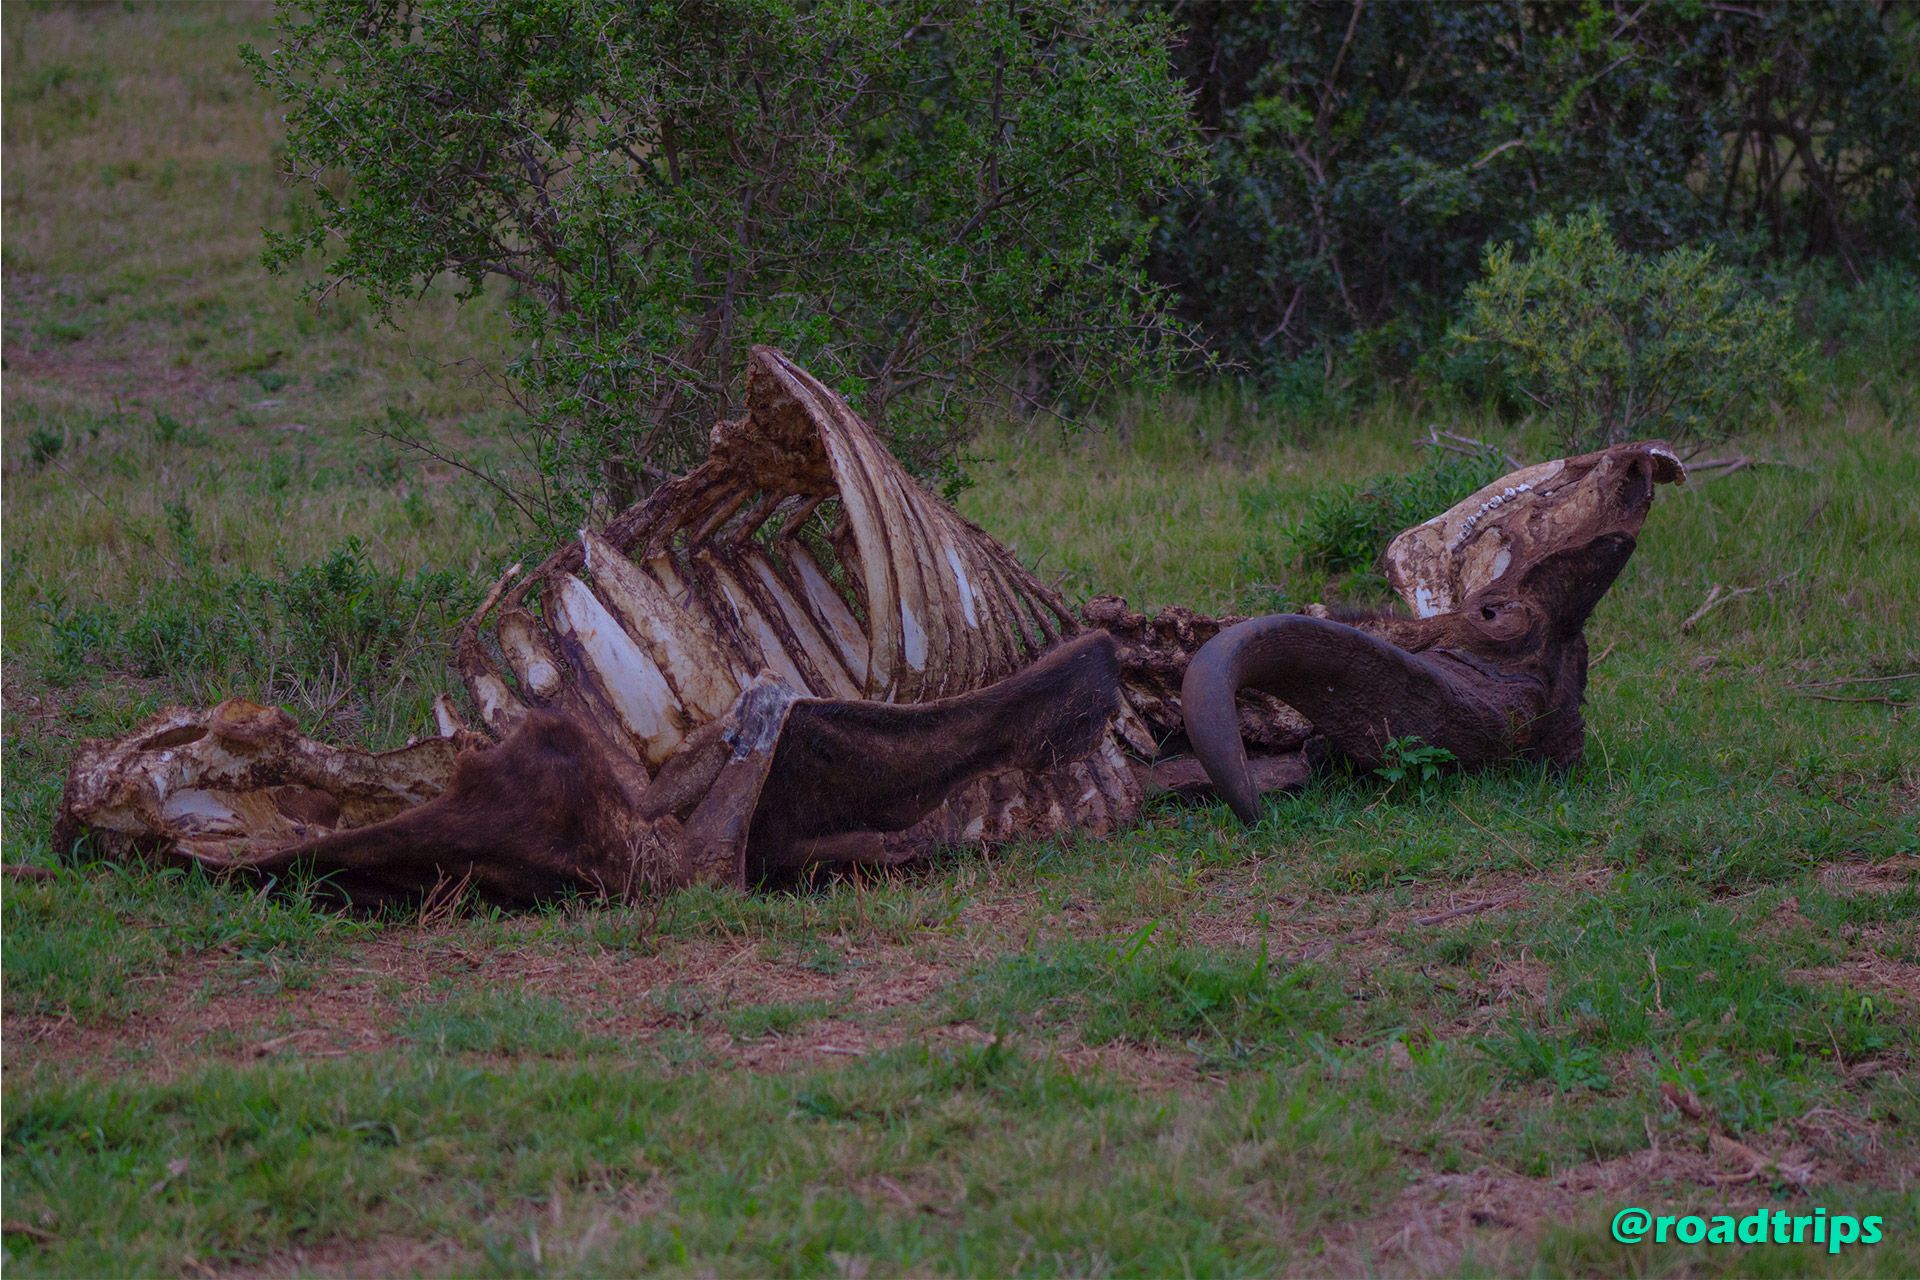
[(507, 1022), (1190, 1048), (1225, 1003)]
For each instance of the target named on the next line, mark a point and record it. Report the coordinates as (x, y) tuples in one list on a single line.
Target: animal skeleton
[(795, 654)]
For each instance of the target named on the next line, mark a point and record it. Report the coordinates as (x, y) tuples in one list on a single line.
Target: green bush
[(1614, 345), (917, 201), (1361, 155), (1348, 526), (1868, 330)]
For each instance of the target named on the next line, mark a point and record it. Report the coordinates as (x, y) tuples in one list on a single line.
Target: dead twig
[(1466, 909), (1738, 462), (1794, 1165), (1829, 697), (421, 444), (1687, 1104), (22, 871), (267, 1047), (1791, 1166), (1830, 684), (1603, 655), (1453, 442), (34, 1234), (1719, 595), (1316, 950), (1508, 145)]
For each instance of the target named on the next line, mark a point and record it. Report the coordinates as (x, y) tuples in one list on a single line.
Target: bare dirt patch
[(382, 1256), (1362, 929), (215, 1006), (1869, 971), (1492, 1216), (93, 373), (1885, 876)]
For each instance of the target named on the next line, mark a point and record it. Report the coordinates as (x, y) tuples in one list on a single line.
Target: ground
[(1444, 1028)]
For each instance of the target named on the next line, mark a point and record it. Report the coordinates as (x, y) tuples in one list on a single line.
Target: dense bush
[(913, 199), (1362, 155), (1616, 346), (1349, 525), (1333, 551)]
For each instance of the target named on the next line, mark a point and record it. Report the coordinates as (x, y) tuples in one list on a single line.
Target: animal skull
[(795, 654)]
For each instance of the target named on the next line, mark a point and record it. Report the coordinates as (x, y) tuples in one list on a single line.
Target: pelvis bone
[(795, 654)]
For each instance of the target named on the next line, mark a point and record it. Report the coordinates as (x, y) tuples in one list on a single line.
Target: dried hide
[(794, 654), (699, 690)]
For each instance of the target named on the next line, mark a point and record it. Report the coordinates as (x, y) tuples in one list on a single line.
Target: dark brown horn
[(1357, 689)]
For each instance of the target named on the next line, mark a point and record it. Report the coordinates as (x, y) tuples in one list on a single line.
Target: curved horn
[(1357, 689)]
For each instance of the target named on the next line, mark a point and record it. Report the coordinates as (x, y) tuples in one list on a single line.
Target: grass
[(1466, 1003)]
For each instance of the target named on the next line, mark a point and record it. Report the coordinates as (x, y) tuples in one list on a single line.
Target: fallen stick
[(32, 1233), (1713, 598), (1468, 909), (1453, 442), (1829, 684), (1739, 462), (1829, 697), (1794, 1166), (1719, 595)]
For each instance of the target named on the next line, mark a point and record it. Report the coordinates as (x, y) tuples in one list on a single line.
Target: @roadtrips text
[(1833, 1231)]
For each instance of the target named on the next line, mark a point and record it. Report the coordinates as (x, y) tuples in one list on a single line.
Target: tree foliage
[(1362, 151), (1347, 526), (1618, 346), (916, 199)]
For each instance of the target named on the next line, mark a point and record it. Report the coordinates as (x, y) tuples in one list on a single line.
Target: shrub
[(915, 200), (1348, 526), (1615, 345), (43, 446), (1360, 155)]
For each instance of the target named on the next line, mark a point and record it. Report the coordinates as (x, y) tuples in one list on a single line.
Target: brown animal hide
[(795, 654), (780, 781), (1154, 653), (701, 690)]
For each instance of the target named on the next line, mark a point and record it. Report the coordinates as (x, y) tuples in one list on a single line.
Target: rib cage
[(652, 626)]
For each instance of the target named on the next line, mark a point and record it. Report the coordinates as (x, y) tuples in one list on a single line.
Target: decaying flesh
[(795, 654)]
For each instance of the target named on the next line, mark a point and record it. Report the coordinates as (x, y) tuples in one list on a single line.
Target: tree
[(1363, 151), (916, 199)]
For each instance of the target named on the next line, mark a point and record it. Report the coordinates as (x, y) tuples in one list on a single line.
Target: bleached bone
[(718, 577)]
